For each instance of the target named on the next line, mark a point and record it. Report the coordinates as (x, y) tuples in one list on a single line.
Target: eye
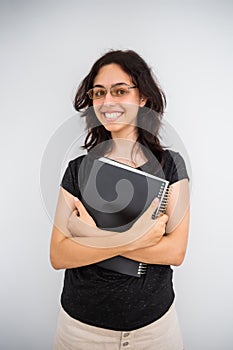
[(98, 93), (121, 91)]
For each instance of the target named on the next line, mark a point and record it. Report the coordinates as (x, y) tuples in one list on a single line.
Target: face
[(117, 113)]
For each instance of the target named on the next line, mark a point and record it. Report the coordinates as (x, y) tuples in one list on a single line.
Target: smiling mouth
[(112, 116)]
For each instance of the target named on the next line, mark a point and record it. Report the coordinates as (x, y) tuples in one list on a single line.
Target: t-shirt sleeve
[(70, 178), (179, 169), (67, 181)]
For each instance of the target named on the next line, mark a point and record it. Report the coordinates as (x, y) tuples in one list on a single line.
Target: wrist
[(129, 247)]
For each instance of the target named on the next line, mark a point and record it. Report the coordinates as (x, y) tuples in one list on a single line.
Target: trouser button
[(125, 343), (126, 334)]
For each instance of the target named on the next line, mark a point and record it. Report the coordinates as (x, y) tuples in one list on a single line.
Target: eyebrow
[(122, 83)]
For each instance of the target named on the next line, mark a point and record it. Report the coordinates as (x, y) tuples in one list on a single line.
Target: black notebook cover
[(116, 195)]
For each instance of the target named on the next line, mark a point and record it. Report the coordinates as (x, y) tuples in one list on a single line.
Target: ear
[(142, 101)]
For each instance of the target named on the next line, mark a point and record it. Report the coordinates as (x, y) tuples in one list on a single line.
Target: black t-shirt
[(108, 299)]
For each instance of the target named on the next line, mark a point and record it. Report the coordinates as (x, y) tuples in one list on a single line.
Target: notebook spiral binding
[(163, 204), (142, 267)]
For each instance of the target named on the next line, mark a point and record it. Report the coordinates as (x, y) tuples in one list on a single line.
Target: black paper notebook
[(116, 195)]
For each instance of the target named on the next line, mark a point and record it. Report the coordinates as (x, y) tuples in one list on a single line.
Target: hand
[(79, 217), (152, 230), (149, 231), (82, 213)]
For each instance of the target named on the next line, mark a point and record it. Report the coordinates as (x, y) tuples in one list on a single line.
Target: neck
[(130, 134), (127, 151)]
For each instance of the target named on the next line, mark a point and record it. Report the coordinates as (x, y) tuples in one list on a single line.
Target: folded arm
[(144, 241), (64, 252), (69, 252), (171, 249)]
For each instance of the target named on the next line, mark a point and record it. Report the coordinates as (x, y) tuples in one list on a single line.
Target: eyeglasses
[(118, 90)]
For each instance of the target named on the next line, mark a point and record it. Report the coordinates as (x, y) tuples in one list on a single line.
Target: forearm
[(70, 252), (166, 252), (64, 253), (94, 236), (170, 250)]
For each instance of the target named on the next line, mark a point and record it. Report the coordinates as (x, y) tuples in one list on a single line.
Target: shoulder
[(74, 166), (70, 178), (172, 157), (75, 163)]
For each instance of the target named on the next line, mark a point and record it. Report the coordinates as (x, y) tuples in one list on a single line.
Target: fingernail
[(76, 199), (156, 201)]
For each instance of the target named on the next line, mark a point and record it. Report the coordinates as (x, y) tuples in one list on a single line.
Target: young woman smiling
[(104, 309)]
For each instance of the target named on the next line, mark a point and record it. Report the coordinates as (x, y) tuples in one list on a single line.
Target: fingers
[(155, 203), (77, 202), (163, 218), (151, 209), (145, 222), (147, 219), (80, 207)]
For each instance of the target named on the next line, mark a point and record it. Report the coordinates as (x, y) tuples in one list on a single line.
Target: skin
[(153, 246), (123, 129), (127, 106)]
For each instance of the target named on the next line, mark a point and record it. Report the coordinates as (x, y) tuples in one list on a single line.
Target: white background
[(47, 47)]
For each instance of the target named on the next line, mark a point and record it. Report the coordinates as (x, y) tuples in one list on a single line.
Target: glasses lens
[(119, 90), (96, 93)]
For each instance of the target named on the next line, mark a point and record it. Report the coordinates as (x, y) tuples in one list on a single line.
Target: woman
[(104, 309)]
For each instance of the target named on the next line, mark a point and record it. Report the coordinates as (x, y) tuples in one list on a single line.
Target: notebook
[(116, 195)]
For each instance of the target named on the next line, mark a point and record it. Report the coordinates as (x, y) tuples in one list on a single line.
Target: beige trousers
[(163, 334)]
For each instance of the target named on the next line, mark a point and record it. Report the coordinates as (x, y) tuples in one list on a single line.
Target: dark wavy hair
[(148, 118)]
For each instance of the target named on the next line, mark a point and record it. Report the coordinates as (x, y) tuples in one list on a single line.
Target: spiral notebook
[(116, 195)]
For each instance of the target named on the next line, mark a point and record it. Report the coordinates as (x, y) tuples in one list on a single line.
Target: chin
[(113, 127)]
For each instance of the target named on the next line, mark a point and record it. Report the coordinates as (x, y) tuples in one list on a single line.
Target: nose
[(108, 98)]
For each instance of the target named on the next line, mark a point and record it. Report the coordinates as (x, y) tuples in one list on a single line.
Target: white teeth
[(112, 115)]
